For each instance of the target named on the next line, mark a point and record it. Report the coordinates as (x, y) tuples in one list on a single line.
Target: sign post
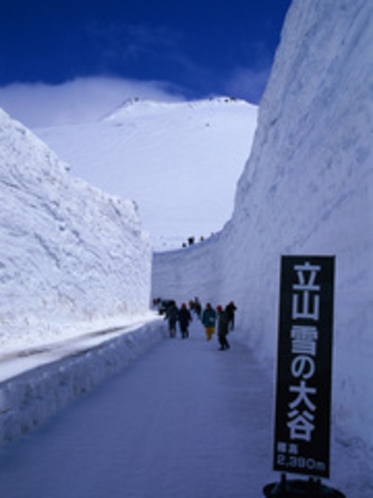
[(304, 373)]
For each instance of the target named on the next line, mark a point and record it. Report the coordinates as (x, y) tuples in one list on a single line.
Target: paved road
[(186, 421)]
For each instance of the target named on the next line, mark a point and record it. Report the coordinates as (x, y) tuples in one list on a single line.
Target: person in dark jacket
[(222, 328), (231, 309), (197, 307), (184, 318), (172, 314)]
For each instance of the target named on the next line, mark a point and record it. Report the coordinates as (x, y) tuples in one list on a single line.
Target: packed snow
[(179, 161), (306, 189), (71, 255)]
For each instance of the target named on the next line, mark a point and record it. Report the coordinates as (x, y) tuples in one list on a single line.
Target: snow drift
[(69, 252), (306, 189)]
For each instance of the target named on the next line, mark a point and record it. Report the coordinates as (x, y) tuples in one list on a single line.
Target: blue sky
[(194, 48)]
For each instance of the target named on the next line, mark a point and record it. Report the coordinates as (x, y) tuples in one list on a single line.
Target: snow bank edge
[(28, 400)]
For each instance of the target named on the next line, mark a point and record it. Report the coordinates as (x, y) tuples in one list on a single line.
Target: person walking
[(184, 319), (197, 307), (222, 328), (231, 309), (209, 321), (172, 314)]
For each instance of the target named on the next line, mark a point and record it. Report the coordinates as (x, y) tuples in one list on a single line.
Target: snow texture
[(29, 399), (306, 189), (179, 161), (69, 252), (75, 262), (183, 420)]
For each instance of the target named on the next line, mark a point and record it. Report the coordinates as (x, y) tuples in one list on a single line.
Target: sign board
[(304, 365)]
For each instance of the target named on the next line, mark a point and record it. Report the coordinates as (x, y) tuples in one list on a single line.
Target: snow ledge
[(28, 400)]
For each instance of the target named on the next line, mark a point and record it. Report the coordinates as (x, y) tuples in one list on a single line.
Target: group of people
[(222, 319), (173, 315)]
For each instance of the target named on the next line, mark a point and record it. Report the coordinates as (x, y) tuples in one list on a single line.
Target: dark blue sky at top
[(196, 47)]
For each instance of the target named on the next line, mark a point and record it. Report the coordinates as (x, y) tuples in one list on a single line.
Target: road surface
[(184, 421)]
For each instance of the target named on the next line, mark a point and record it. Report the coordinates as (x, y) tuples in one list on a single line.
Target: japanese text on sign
[(305, 304), (304, 365)]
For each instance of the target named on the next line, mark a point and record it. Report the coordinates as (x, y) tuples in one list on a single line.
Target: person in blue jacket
[(209, 321)]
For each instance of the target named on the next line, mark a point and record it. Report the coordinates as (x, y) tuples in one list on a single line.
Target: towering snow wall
[(68, 252), (306, 189)]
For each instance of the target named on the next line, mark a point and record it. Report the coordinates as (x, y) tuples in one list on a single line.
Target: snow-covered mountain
[(180, 162), (69, 253), (306, 189)]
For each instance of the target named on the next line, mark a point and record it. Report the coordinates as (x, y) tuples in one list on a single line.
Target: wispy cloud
[(147, 51), (81, 100), (248, 84)]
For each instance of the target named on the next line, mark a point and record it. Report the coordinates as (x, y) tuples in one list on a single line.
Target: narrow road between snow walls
[(185, 419)]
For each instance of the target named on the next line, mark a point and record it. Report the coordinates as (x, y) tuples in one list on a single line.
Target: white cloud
[(80, 100), (248, 84)]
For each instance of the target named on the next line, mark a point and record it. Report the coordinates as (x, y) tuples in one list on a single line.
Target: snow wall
[(28, 400), (69, 252), (306, 189)]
